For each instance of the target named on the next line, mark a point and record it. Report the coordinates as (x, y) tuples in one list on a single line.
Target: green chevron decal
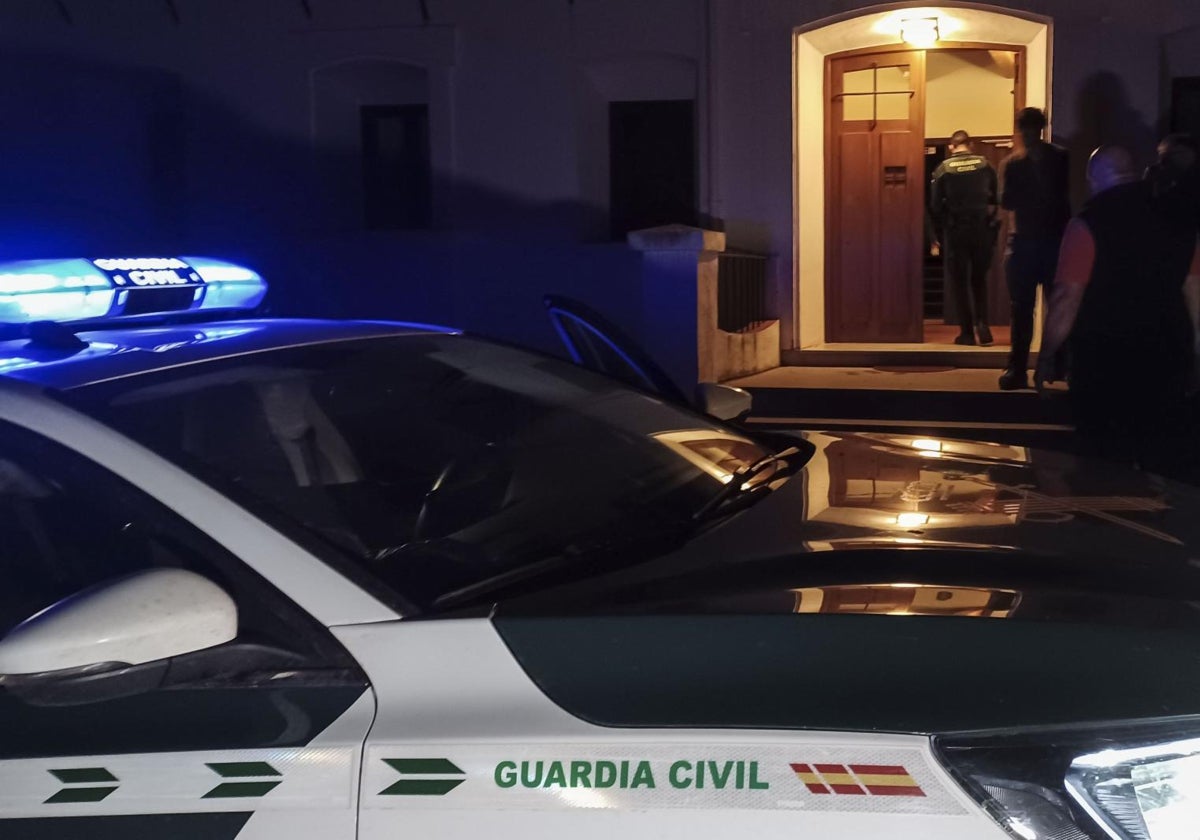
[(423, 767), (95, 776), (243, 770)]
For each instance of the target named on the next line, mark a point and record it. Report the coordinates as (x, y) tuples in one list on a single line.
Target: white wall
[(1182, 53), (254, 84), (126, 129), (969, 90), (233, 130)]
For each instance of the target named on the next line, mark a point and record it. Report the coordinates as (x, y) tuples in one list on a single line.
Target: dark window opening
[(652, 164), (397, 172)]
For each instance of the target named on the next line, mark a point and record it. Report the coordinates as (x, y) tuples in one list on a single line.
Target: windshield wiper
[(751, 482)]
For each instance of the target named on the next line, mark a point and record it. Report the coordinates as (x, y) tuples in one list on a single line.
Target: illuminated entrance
[(872, 115)]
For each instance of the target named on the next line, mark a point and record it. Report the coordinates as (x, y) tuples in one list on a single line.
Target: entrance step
[(956, 402), (899, 355)]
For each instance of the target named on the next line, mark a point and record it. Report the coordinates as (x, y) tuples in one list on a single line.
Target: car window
[(67, 524), (439, 465)]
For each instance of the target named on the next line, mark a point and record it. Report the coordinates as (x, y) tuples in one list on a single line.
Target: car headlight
[(1144, 793), (1120, 782)]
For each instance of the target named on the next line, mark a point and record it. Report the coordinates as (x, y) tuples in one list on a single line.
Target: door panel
[(855, 216), (467, 744), (899, 238), (875, 198)]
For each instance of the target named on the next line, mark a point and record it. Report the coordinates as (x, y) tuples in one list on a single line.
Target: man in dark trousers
[(1117, 297), (1036, 190), (962, 201)]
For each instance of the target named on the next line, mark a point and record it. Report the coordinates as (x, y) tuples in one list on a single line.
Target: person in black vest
[(1175, 181), (1036, 185), (962, 201), (1175, 176), (1118, 298)]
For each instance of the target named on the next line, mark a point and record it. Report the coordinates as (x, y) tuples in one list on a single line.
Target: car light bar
[(1137, 781), (103, 289)]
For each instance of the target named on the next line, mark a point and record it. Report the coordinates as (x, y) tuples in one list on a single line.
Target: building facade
[(453, 160)]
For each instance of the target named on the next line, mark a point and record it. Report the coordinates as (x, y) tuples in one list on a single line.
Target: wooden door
[(875, 200)]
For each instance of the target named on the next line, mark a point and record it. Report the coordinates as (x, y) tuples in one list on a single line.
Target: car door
[(259, 737), (467, 744), (596, 343)]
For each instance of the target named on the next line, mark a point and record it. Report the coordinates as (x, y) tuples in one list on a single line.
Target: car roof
[(118, 352)]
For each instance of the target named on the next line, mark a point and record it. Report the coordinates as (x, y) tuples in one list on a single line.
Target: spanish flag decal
[(857, 779)]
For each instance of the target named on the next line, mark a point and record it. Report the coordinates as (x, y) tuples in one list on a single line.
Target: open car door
[(598, 344)]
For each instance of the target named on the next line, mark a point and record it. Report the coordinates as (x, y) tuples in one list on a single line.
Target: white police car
[(283, 578)]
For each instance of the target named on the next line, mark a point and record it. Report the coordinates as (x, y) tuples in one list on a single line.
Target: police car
[(285, 578)]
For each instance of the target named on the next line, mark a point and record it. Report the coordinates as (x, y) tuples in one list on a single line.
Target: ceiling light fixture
[(920, 32)]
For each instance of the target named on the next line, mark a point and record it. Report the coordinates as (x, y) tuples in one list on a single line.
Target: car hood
[(889, 490), (899, 584), (879, 523)]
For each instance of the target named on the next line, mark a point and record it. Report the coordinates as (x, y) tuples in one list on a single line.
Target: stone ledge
[(677, 238)]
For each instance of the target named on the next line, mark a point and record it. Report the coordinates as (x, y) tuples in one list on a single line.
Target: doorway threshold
[(870, 355)]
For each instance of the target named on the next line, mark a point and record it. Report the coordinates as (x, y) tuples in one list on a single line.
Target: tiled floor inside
[(939, 333)]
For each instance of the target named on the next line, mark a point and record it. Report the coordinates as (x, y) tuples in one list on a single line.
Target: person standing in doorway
[(1117, 298), (962, 201), (1036, 184)]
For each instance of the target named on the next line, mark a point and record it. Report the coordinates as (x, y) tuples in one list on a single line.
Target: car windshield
[(443, 467)]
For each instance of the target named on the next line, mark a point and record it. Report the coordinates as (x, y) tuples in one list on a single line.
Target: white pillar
[(679, 300)]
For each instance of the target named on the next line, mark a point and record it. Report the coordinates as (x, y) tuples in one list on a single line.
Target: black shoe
[(985, 335), (1014, 380), (966, 339)]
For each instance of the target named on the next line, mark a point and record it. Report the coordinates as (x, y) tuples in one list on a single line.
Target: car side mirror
[(723, 402), (115, 639)]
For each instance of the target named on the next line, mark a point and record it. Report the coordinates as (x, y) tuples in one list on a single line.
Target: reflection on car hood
[(898, 584), (885, 488), (887, 524)]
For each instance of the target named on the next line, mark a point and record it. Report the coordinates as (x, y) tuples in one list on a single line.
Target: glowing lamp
[(921, 33)]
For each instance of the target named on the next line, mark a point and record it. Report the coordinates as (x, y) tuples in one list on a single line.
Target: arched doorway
[(861, 141)]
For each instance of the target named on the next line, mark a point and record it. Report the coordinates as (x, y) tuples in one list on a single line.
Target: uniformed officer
[(963, 201)]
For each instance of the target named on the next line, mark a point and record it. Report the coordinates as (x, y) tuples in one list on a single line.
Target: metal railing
[(741, 290)]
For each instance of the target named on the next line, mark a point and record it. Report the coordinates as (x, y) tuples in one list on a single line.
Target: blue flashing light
[(53, 290), (102, 289), (228, 286)]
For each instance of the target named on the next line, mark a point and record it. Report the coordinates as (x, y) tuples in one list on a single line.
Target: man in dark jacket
[(1117, 298), (1036, 190), (1173, 178), (962, 201)]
